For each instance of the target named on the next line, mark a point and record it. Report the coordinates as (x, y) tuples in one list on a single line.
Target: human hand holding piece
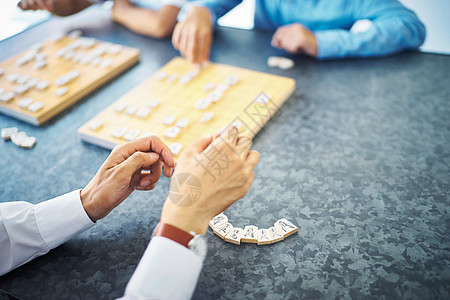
[(122, 173), (217, 193), (295, 38)]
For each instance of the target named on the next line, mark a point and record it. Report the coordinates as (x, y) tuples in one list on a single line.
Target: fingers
[(199, 145), (176, 36), (243, 145), (138, 161), (253, 158), (230, 135)]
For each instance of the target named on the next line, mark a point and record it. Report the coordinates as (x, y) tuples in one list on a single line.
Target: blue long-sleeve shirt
[(394, 27)]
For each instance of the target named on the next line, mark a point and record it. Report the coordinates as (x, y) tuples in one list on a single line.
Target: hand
[(36, 4), (122, 173), (193, 36), (218, 183), (295, 38)]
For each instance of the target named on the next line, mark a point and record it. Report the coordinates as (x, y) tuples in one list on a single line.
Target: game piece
[(56, 38), (42, 85), (22, 79), (285, 63), (172, 78), (40, 64), (193, 73), (218, 221), (114, 49), (184, 79), (153, 103), (183, 101), (28, 142), (175, 148), (130, 110), (95, 124), (221, 88), (119, 107), (206, 117), (75, 34), (20, 89), (119, 131), (275, 235), (262, 98), (237, 124), (171, 132), (208, 87), (68, 54), (202, 103), (13, 77), (2, 90), (273, 61), (18, 137), (250, 234), (264, 237), (24, 103), (223, 230), (146, 134), (96, 61), (168, 120), (234, 236), (143, 112), (61, 91), (131, 135), (35, 106), (182, 123), (285, 227), (32, 82), (105, 63), (7, 132), (5, 97)]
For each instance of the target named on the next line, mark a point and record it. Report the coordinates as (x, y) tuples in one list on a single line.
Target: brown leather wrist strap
[(174, 233)]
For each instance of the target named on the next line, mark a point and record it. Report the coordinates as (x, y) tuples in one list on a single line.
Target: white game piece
[(193, 73), (234, 236), (75, 34), (18, 137), (215, 96), (61, 91), (202, 103), (61, 80), (250, 234), (22, 60), (223, 230), (153, 103), (2, 90), (206, 117), (273, 61), (175, 148), (86, 59), (86, 42), (131, 135), (161, 75), (56, 38), (237, 124), (171, 132), (184, 79), (182, 123), (24, 103), (264, 237), (105, 63), (232, 79), (168, 120), (68, 55), (7, 132), (73, 74), (143, 112), (77, 57), (35, 106), (96, 124), (221, 87), (60, 53), (146, 134), (42, 85), (5, 97), (28, 142), (209, 86), (218, 221), (262, 98), (13, 77), (20, 89), (130, 110), (96, 61), (32, 82), (285, 63), (275, 235), (172, 78), (119, 107), (114, 49), (285, 227), (23, 79), (40, 56), (36, 47), (1, 71), (119, 131)]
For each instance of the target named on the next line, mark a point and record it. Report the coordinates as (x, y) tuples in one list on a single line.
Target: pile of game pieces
[(19, 138), (280, 62), (251, 234)]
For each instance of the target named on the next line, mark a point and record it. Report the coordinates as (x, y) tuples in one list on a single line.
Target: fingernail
[(145, 183), (153, 155)]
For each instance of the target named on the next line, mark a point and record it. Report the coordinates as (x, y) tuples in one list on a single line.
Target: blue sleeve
[(217, 7), (394, 28)]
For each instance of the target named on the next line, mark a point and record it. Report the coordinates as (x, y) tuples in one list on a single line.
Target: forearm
[(218, 8), (68, 7), (149, 22)]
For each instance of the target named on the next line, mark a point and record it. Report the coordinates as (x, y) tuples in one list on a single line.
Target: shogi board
[(90, 77), (178, 99)]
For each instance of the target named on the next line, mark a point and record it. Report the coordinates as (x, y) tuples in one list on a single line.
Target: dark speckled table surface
[(358, 158)]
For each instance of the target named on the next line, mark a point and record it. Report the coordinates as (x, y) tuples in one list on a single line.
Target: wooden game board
[(91, 62), (240, 101)]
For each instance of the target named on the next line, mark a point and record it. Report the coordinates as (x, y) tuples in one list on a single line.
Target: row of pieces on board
[(251, 234), (19, 138)]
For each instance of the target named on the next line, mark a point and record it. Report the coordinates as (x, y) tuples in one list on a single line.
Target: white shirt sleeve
[(28, 231), (167, 270)]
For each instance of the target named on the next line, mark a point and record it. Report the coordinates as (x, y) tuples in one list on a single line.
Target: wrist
[(186, 218), (87, 200)]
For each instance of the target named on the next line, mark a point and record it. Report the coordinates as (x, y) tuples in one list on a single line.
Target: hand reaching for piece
[(122, 173), (210, 176), (295, 38), (36, 4)]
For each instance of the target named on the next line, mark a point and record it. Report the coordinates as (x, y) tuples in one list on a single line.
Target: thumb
[(139, 160), (200, 144)]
